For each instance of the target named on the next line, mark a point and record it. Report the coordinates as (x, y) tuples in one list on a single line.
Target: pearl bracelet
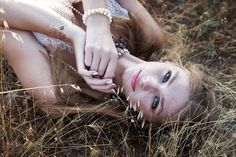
[(102, 11), (121, 49)]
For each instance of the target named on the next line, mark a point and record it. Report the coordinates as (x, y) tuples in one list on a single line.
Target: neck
[(124, 62)]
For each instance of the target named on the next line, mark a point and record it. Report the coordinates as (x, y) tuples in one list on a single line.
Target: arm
[(96, 19), (100, 52), (31, 16), (142, 15)]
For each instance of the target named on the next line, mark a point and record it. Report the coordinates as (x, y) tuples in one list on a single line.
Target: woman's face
[(158, 89)]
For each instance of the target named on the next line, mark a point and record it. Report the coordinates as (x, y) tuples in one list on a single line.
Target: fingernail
[(113, 91), (109, 82), (114, 87), (95, 73)]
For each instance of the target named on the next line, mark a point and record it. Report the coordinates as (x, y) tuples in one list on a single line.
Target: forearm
[(31, 16), (96, 19), (142, 15)]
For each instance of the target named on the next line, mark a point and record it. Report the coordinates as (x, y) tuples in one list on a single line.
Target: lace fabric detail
[(52, 44), (116, 9)]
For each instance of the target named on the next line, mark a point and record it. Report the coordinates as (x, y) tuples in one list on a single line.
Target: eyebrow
[(173, 78)]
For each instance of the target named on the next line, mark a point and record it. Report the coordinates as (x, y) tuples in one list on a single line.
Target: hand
[(100, 51), (77, 37), (103, 85)]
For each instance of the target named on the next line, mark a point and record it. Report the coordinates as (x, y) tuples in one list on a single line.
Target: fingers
[(100, 54), (95, 62), (79, 54), (98, 82), (88, 56), (103, 65), (87, 73), (110, 71), (105, 89), (103, 85), (100, 60)]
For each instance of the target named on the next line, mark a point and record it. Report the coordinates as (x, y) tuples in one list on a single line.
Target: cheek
[(141, 98), (145, 106), (137, 97)]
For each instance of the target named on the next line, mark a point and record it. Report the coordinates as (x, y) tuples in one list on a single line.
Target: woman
[(157, 90)]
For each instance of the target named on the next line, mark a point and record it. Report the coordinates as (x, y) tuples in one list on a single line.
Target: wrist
[(100, 15), (73, 33), (101, 29), (97, 19)]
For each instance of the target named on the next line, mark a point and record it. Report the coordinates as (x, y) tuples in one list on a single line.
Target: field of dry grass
[(207, 29)]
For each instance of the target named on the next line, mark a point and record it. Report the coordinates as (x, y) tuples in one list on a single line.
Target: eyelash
[(166, 77), (155, 102)]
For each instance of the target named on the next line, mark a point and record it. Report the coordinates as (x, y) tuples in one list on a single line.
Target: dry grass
[(207, 29)]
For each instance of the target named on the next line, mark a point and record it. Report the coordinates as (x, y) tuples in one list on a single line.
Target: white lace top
[(61, 7)]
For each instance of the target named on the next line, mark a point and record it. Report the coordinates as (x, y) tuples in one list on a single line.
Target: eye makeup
[(155, 102), (166, 77)]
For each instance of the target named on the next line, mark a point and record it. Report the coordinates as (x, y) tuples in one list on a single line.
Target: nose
[(149, 83)]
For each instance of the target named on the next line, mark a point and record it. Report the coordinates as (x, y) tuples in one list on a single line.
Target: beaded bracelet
[(121, 49), (102, 11)]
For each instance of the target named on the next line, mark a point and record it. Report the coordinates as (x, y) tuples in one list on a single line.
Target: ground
[(207, 30)]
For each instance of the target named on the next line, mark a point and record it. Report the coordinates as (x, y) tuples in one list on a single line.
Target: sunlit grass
[(208, 37)]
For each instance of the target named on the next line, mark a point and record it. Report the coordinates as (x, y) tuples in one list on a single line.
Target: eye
[(163, 59), (166, 77), (155, 102)]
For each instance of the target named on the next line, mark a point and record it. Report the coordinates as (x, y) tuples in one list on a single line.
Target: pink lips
[(134, 80)]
